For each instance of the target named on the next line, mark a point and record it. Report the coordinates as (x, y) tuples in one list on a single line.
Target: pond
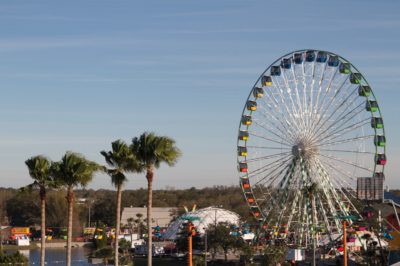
[(56, 256)]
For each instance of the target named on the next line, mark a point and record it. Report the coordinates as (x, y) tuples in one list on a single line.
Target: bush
[(14, 259)]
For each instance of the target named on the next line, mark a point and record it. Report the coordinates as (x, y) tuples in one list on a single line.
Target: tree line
[(20, 208)]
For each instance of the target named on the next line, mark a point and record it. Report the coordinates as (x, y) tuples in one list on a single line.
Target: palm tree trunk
[(43, 225), (149, 177), (70, 199), (118, 222)]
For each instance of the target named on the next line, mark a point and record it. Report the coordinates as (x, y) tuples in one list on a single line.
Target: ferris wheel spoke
[(269, 139), (280, 93), (344, 128), (341, 172), (334, 111), (342, 131), (346, 102), (342, 141), (268, 148), (341, 187), (349, 163), (263, 126), (311, 95), (285, 131), (294, 107), (348, 151), (273, 166), (271, 110), (327, 91), (254, 159), (332, 190), (354, 112), (319, 93)]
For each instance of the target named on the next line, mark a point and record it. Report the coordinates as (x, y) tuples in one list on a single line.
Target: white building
[(160, 216)]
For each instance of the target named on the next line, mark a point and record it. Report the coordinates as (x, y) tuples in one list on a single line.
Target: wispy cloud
[(46, 18)]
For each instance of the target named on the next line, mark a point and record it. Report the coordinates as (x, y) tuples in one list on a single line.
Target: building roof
[(160, 216), (204, 218)]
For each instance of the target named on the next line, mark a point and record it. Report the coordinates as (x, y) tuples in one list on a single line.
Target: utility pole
[(205, 246), (344, 244), (191, 233)]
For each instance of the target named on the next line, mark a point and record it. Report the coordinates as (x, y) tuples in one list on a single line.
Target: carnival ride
[(310, 127)]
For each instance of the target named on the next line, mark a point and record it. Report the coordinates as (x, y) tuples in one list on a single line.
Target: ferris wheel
[(310, 128)]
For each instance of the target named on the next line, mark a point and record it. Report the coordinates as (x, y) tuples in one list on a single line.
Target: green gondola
[(364, 91), (371, 106), (380, 140), (344, 68), (355, 78), (376, 122)]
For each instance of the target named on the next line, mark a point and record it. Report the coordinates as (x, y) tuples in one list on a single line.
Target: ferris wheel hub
[(304, 149)]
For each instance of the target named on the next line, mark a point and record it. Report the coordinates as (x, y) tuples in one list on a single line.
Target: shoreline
[(50, 245)]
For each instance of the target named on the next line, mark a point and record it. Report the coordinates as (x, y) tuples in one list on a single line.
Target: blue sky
[(77, 75)]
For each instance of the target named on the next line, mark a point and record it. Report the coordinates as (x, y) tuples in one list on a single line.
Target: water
[(56, 256)]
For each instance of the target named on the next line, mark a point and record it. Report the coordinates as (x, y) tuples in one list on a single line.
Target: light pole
[(205, 246), (90, 204)]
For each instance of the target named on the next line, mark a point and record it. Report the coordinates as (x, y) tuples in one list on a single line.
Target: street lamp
[(90, 204), (205, 246)]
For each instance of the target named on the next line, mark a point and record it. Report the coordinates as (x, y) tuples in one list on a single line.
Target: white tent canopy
[(206, 217)]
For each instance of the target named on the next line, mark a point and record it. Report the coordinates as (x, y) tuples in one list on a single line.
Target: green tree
[(220, 236), (122, 160), (73, 170), (101, 236), (152, 150), (23, 209), (40, 170)]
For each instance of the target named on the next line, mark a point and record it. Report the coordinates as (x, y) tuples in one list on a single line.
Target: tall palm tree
[(152, 150), (122, 160), (39, 169), (73, 170)]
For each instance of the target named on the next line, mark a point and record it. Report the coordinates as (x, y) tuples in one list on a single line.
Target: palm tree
[(152, 150), (73, 170), (40, 170), (122, 160)]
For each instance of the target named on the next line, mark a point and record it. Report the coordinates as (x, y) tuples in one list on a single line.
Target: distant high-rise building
[(370, 188)]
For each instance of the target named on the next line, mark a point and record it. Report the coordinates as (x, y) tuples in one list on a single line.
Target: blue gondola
[(275, 71), (286, 63), (333, 61), (298, 58), (322, 57), (310, 56)]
